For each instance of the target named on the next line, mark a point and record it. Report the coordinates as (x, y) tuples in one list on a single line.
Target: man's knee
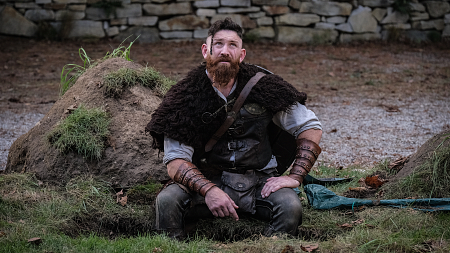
[(171, 196)]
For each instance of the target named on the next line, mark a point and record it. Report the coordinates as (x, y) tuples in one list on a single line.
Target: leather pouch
[(241, 188)]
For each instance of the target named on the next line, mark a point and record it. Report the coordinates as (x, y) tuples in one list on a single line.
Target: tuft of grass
[(85, 131), (429, 180), (71, 72), (115, 82)]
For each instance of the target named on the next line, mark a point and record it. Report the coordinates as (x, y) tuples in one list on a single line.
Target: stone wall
[(290, 21)]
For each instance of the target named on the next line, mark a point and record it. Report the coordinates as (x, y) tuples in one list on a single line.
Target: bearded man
[(234, 173)]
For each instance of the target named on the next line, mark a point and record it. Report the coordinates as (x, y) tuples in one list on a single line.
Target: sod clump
[(116, 82), (85, 131)]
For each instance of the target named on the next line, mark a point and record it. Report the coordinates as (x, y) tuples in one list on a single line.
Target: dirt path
[(375, 101)]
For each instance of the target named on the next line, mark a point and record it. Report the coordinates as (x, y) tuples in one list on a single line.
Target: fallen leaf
[(310, 247), (123, 200), (2, 234), (374, 181), (35, 240), (331, 74), (157, 250), (288, 249), (119, 195), (358, 189), (370, 226), (334, 130), (345, 225), (22, 221), (398, 164), (358, 221)]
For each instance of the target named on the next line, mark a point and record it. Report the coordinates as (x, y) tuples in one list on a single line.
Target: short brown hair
[(225, 24)]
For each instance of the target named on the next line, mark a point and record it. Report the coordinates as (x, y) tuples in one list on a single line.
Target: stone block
[(235, 2), (376, 3), (326, 8), (289, 34), (201, 33), (322, 25), (43, 1), (141, 1), (248, 23), (95, 13), (188, 22), (446, 32), (263, 32), (416, 16), (126, 2), (207, 4), (437, 24), (401, 26), (69, 15), (362, 21), (123, 27), (264, 21), (447, 19), (437, 9), (146, 34), (176, 35), (86, 29), (257, 14), (53, 6), (29, 5), (119, 21), (395, 17), (112, 31), (130, 10), (336, 20), (77, 7), (417, 7), (70, 1), (160, 1), (167, 9), (143, 21), (346, 38), (297, 19), (275, 9), (105, 25), (295, 4), (13, 23), (270, 2), (235, 17), (345, 27), (238, 10), (205, 12), (37, 15), (379, 13)]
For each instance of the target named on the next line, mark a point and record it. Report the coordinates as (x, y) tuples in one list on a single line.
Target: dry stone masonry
[(290, 21)]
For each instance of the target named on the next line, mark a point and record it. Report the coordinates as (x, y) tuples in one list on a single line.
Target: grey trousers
[(176, 207)]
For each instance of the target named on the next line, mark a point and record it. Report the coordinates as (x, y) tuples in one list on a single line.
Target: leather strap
[(231, 117)]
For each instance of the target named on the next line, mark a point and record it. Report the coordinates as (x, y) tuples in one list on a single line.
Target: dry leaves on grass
[(121, 198), (310, 247), (345, 225), (288, 249), (374, 181), (399, 163), (35, 240)]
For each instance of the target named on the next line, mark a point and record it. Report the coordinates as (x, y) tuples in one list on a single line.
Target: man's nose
[(225, 51)]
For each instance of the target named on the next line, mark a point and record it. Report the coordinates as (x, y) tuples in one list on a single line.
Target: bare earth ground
[(376, 101)]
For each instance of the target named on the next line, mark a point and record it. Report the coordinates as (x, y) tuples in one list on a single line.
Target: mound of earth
[(424, 153), (129, 158)]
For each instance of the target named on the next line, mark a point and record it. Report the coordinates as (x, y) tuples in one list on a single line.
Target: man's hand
[(275, 183), (220, 203)]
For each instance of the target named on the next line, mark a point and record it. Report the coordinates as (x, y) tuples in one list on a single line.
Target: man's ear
[(243, 53), (205, 50)]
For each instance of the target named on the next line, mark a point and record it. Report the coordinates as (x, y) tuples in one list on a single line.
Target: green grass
[(85, 132), (80, 216), (115, 82), (71, 72)]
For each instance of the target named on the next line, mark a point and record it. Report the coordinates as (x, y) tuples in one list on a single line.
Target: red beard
[(222, 73)]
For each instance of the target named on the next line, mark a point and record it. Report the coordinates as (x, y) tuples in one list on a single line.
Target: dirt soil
[(376, 101)]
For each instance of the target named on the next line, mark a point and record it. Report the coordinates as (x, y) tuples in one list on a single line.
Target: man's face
[(227, 53)]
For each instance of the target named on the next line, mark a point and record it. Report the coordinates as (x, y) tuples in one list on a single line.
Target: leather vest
[(245, 146)]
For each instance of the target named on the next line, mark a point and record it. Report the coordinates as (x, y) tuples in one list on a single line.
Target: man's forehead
[(225, 35)]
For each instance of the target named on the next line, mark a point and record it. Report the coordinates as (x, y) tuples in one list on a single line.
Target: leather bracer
[(307, 153), (189, 176)]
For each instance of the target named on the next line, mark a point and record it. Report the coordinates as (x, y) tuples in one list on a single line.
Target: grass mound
[(115, 82), (84, 131)]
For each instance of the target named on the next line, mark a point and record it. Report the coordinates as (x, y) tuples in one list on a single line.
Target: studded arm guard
[(189, 176), (307, 153)]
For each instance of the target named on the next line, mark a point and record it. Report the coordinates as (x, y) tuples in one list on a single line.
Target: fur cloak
[(179, 116)]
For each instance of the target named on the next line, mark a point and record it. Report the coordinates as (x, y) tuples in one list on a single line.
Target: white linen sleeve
[(297, 119), (174, 149)]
